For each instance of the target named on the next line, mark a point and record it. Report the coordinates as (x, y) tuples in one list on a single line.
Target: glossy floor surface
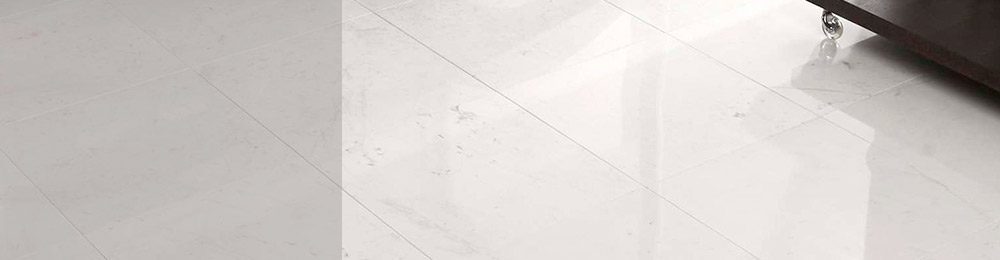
[(473, 129)]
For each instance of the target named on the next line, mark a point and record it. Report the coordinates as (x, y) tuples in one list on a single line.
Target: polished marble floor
[(472, 129)]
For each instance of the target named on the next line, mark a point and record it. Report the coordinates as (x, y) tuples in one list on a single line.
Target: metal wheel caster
[(827, 51), (832, 26)]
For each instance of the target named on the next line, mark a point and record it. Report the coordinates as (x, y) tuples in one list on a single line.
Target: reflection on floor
[(573, 129), (632, 129)]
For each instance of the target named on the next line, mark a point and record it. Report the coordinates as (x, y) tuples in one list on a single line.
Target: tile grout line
[(737, 149), (899, 85), (53, 204), (317, 169), (896, 86), (550, 126)]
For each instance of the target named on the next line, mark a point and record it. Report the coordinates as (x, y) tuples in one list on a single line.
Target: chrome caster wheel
[(832, 26), (827, 51)]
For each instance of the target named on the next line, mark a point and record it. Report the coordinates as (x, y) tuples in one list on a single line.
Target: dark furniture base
[(963, 35)]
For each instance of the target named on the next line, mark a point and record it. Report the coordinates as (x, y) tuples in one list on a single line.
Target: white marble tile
[(779, 44), (454, 167), (69, 52), (14, 7), (835, 78), (172, 170), (120, 156), (30, 226), (983, 245), (669, 15), (292, 87), (289, 213), (199, 31), (657, 107), (365, 237), (506, 42), (640, 225), (818, 192), (945, 126), (781, 34)]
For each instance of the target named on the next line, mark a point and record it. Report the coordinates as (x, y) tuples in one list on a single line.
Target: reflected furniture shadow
[(890, 227)]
